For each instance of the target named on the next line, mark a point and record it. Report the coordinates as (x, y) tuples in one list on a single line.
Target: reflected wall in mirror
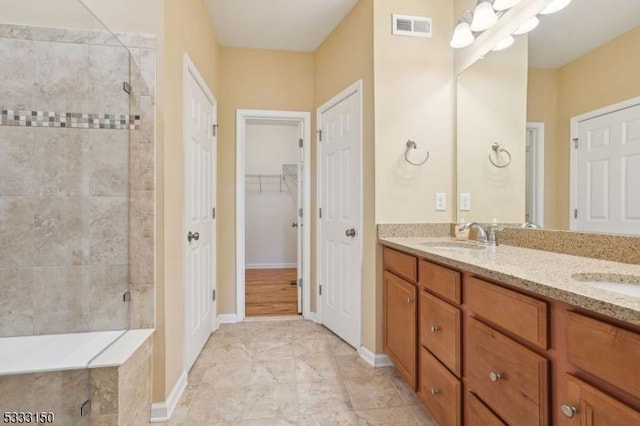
[(491, 109), (580, 60)]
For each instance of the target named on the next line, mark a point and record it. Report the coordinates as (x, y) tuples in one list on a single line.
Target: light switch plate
[(465, 201), (441, 201)]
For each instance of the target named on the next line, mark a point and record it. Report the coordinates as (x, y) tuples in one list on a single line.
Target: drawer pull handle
[(568, 410), (434, 329), (409, 299), (434, 391), (495, 377)]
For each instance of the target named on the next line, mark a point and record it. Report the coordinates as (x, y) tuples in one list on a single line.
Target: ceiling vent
[(415, 26)]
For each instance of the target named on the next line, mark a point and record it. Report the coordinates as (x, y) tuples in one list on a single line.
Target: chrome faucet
[(482, 234), (484, 237)]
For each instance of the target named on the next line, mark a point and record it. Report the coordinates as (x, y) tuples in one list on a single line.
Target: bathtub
[(80, 379), (60, 352)]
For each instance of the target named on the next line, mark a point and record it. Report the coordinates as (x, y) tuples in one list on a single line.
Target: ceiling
[(300, 25), (582, 26)]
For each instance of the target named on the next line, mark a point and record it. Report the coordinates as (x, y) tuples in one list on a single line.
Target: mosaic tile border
[(74, 120)]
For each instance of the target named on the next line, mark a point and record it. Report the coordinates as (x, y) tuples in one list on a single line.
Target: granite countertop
[(545, 273)]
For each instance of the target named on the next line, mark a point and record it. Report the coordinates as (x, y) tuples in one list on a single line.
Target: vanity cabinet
[(483, 353), (401, 313)]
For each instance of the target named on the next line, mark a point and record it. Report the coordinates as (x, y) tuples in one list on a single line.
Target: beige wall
[(542, 107), (492, 105), (345, 57), (413, 100), (187, 29), (251, 79), (604, 76)]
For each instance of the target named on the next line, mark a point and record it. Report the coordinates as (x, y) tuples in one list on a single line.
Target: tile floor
[(291, 372)]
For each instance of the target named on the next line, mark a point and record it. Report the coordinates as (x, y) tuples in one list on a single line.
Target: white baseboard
[(374, 360), (270, 265), (226, 319), (161, 411)]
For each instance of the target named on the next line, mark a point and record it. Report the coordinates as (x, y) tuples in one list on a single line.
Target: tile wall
[(76, 181)]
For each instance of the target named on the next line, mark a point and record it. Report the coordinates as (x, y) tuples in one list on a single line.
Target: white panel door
[(200, 175), (608, 173), (340, 244)]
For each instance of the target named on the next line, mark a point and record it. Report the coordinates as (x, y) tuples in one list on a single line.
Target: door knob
[(568, 410), (495, 377), (294, 225), (193, 236), (350, 232)]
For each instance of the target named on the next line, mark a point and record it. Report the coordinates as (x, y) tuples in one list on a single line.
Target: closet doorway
[(272, 213)]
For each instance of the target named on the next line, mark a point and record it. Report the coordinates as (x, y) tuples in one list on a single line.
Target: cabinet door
[(587, 406), (440, 330), (400, 317)]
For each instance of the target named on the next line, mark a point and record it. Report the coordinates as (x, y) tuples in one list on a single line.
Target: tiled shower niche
[(76, 180)]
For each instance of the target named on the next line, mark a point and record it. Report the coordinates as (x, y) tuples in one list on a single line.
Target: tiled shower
[(76, 192)]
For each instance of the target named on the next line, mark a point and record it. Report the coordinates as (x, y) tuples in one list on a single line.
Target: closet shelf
[(290, 171), (268, 178)]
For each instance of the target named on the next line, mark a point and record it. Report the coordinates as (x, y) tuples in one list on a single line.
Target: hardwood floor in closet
[(271, 292)]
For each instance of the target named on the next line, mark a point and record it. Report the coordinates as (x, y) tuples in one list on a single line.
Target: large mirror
[(576, 76)]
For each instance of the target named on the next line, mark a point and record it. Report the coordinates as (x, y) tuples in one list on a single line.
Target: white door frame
[(354, 89), (573, 166), (189, 68), (242, 115), (538, 170)]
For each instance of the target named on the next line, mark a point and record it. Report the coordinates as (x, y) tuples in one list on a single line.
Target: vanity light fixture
[(484, 17), (504, 4), (555, 6), (462, 35), (504, 44), (527, 26)]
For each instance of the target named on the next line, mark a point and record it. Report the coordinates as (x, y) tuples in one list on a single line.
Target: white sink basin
[(629, 285), (452, 245)]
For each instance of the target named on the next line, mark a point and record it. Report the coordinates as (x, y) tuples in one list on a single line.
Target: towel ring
[(498, 148), (412, 145)]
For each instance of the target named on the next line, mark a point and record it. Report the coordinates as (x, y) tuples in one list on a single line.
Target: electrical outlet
[(465, 201), (441, 201)]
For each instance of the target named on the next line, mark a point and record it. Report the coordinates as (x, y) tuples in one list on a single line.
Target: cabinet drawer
[(479, 415), (443, 281), (595, 408), (440, 390), (400, 323), (604, 350), (400, 264), (510, 378), (522, 315), (440, 330)]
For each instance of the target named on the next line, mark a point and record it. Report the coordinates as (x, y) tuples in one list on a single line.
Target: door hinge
[(576, 142), (320, 135), (214, 294), (300, 212), (215, 130), (300, 143), (320, 212), (575, 213), (213, 213), (320, 289), (300, 282)]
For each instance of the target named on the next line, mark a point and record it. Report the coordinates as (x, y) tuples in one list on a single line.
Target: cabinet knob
[(568, 410), (495, 377), (409, 299), (434, 329), (434, 391)]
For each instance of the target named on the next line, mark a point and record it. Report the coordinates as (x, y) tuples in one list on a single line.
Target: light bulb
[(505, 43), (483, 16), (527, 26), (504, 4), (555, 6), (462, 35)]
